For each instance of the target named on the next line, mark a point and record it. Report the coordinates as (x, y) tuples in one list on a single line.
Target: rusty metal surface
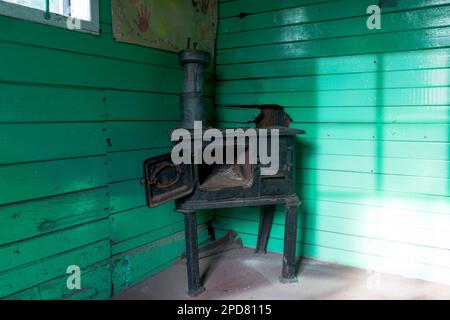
[(165, 181)]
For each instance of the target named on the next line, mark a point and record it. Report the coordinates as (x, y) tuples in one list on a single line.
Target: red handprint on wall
[(204, 5), (143, 15)]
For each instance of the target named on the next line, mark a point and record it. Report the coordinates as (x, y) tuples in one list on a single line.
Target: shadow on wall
[(447, 122), (305, 148)]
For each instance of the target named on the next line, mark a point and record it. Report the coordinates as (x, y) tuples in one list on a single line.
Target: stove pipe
[(192, 99)]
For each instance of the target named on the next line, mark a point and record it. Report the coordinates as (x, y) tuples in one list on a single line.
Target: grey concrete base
[(241, 274)]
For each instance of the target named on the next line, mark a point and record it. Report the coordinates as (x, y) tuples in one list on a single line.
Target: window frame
[(54, 19)]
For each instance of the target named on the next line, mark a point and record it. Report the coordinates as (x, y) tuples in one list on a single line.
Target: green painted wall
[(373, 168), (78, 115)]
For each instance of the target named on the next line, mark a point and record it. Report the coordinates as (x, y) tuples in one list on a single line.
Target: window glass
[(80, 15), (80, 9)]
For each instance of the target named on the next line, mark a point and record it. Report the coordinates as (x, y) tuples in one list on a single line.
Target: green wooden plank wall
[(373, 168), (78, 115)]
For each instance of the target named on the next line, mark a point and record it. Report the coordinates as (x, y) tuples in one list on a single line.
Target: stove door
[(165, 181)]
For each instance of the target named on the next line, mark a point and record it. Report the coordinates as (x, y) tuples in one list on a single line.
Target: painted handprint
[(143, 18), (203, 4)]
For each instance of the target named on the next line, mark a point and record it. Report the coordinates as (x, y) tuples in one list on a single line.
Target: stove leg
[(192, 260), (290, 239), (265, 224)]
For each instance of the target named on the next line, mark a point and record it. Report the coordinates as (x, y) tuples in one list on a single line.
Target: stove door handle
[(162, 166)]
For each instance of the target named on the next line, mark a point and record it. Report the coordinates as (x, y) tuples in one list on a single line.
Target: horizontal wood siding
[(78, 116), (373, 168)]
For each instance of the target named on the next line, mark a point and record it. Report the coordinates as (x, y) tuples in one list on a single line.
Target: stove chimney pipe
[(192, 100)]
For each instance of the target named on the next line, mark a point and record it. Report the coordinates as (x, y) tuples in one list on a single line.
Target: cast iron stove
[(200, 186)]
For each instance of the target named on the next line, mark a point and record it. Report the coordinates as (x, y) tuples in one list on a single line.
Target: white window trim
[(53, 19)]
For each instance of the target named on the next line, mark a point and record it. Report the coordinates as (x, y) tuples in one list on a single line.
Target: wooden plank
[(235, 125), (398, 183), (96, 285), (370, 214), (98, 45), (85, 71), (365, 204), (379, 114), (357, 131), (123, 281), (371, 148), (146, 238), (398, 166), (29, 103), (63, 39), (314, 13), (129, 164), (388, 61), (236, 114), (366, 197), (105, 11), (42, 179), (44, 270), (387, 231), (232, 8), (376, 43), (373, 80), (39, 142), (155, 234), (378, 214), (135, 265), (391, 22), (374, 163), (142, 106), (69, 90), (129, 135), (33, 218), (35, 249), (126, 195), (341, 239), (128, 224), (339, 98)]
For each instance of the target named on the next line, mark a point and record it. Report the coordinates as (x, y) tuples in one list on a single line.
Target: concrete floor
[(240, 274)]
